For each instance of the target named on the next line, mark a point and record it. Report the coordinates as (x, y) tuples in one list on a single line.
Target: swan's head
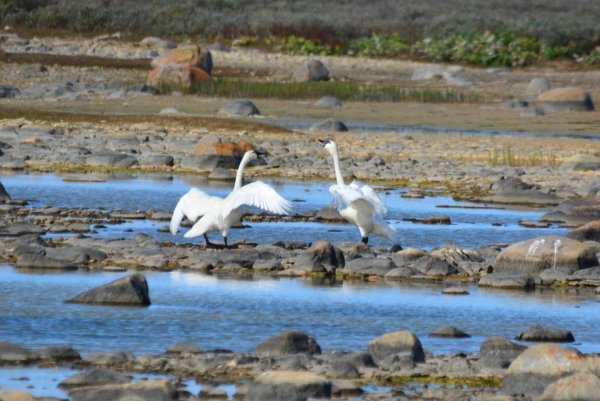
[(252, 155), (329, 145)]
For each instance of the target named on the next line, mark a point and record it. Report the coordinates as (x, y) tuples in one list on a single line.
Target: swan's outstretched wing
[(372, 196), (192, 205), (259, 195), (346, 195)]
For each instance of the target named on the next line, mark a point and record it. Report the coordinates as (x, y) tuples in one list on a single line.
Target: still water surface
[(471, 228), (239, 314)]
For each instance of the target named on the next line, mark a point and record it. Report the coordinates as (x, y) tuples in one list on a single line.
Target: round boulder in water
[(240, 108)]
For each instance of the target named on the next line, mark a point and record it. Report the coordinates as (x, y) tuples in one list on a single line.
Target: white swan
[(219, 214), (360, 205)]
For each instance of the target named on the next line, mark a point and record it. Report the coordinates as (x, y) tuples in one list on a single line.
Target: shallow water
[(373, 127), (43, 382), (470, 228), (239, 314)]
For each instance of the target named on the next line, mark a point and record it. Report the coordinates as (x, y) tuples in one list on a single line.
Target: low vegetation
[(354, 91), (480, 32), (507, 156)]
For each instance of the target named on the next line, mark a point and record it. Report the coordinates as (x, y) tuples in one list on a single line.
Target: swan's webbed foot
[(365, 240)]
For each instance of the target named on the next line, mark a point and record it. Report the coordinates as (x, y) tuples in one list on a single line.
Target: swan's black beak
[(260, 153), (323, 142)]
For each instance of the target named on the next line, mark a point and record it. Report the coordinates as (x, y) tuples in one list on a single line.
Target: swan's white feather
[(193, 205), (372, 196), (258, 195)]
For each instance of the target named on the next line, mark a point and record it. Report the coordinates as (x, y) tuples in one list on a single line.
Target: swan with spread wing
[(358, 204), (212, 213)]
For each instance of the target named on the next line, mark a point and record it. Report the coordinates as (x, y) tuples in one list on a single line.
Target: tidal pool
[(471, 227), (239, 314)]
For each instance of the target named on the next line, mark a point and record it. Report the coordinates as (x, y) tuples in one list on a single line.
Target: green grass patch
[(347, 91)]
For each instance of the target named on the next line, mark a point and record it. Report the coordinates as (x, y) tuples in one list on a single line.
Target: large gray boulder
[(551, 252), (288, 343), (540, 365), (239, 108), (131, 290), (313, 70), (288, 386), (321, 257), (399, 347), (498, 352), (94, 377), (151, 390)]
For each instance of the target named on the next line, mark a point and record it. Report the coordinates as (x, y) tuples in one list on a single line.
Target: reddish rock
[(587, 232), (177, 74), (189, 55), (569, 98)]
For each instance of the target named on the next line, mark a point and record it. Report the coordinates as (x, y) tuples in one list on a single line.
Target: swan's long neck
[(240, 173), (336, 165)]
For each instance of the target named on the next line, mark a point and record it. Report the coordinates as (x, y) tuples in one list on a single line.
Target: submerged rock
[(449, 332), (130, 290)]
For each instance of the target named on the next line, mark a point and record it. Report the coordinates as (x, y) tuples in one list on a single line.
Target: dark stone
[(320, 257), (546, 334), (449, 332), (58, 353), (3, 194), (8, 91), (241, 108), (130, 290), (432, 266), (288, 343), (111, 159), (498, 352)]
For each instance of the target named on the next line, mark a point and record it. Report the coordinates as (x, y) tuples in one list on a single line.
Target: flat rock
[(288, 343), (513, 190), (19, 229), (150, 390), (111, 159), (288, 386), (369, 266), (508, 280), (546, 334), (396, 347), (131, 290), (551, 252), (94, 377), (16, 395)]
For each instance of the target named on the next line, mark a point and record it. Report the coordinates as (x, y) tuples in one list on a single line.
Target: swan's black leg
[(206, 239), (225, 240), (364, 240)]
